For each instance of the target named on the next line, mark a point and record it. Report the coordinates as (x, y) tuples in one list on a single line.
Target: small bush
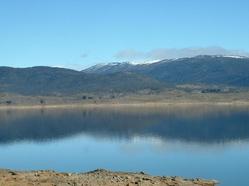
[(42, 101)]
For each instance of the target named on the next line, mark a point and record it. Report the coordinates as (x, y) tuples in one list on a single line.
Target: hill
[(57, 81)]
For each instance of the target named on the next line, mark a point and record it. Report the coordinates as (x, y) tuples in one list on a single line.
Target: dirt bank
[(94, 178)]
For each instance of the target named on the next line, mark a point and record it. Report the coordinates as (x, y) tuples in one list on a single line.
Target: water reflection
[(204, 124)]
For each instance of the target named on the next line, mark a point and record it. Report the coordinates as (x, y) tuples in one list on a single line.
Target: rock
[(12, 173)]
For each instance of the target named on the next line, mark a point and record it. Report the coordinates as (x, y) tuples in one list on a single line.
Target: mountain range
[(126, 76)]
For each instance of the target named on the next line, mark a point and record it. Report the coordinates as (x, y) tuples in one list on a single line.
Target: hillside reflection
[(189, 124)]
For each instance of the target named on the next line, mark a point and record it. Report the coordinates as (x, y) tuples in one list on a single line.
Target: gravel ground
[(94, 178)]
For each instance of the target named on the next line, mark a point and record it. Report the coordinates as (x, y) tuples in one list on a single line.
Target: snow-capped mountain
[(132, 65), (205, 69)]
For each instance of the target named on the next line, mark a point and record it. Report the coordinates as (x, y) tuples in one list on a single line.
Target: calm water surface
[(207, 142)]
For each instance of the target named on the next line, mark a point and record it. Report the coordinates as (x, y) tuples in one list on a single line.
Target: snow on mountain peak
[(234, 56), (144, 62)]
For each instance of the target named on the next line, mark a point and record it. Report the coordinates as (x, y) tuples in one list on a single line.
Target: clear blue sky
[(78, 33)]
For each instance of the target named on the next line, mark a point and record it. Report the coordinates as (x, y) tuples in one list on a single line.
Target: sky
[(80, 33)]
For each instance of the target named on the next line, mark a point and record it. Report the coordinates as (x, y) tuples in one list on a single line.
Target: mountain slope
[(110, 68), (218, 70)]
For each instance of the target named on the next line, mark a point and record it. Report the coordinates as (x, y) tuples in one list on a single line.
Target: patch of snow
[(95, 67), (145, 62), (99, 65), (116, 63), (237, 57)]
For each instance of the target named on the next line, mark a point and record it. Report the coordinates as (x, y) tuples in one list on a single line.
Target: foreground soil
[(95, 178)]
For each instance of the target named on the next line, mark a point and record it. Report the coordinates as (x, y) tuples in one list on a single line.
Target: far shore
[(121, 104)]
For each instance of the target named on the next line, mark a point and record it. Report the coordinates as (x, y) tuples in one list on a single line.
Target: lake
[(210, 142)]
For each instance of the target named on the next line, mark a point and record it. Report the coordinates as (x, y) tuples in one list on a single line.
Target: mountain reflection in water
[(206, 124)]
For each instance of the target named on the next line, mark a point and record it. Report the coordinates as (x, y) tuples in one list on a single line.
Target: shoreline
[(120, 105), (99, 177)]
